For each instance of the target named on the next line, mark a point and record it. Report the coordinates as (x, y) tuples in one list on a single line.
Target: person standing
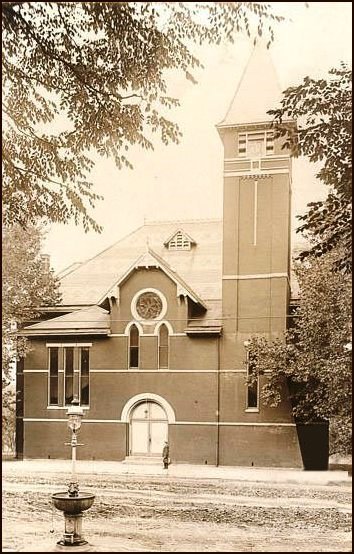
[(166, 455)]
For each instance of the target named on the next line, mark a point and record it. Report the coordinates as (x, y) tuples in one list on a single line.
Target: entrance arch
[(147, 416)]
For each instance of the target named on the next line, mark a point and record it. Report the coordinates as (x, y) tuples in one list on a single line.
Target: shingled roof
[(93, 320), (258, 90), (200, 268)]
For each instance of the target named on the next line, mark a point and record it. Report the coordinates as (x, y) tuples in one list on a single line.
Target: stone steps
[(143, 460)]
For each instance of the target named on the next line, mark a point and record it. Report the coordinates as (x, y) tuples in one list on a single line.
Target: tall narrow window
[(269, 143), (84, 376), (252, 388), (163, 347), (69, 374), (242, 138), (53, 376), (134, 347)]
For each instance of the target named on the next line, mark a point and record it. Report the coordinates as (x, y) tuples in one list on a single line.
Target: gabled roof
[(258, 91), (180, 230), (151, 259), (94, 320), (200, 268)]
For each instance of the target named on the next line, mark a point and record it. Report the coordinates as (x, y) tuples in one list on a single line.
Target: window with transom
[(73, 362)]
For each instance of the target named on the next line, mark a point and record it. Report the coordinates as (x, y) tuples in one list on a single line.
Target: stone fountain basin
[(73, 504)]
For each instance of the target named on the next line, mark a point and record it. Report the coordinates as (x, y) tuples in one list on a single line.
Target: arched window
[(163, 347), (134, 347)]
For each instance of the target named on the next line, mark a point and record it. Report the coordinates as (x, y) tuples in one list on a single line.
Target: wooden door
[(148, 429)]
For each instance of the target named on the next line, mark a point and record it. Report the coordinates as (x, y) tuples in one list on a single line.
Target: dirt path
[(133, 513)]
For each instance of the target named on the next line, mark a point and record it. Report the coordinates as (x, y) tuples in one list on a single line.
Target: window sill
[(65, 407), (252, 410)]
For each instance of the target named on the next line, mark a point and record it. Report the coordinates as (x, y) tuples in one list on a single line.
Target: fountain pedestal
[(73, 531)]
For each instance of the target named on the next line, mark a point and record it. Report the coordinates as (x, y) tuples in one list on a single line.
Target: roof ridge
[(105, 249), (67, 268), (181, 221)]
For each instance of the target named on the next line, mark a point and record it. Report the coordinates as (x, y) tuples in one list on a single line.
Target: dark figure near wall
[(165, 455)]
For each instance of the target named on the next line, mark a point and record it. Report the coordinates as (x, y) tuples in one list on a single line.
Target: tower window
[(242, 140), (255, 145), (134, 347), (269, 143)]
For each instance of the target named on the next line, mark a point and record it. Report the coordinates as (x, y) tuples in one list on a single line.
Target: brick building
[(151, 333)]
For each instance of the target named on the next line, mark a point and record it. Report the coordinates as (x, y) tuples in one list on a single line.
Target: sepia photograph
[(176, 276)]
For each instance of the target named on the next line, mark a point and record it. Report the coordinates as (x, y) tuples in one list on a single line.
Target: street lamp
[(75, 414)]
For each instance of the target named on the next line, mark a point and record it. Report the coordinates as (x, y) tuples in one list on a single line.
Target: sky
[(185, 181)]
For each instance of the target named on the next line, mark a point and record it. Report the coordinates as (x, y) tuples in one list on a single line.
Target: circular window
[(149, 304)]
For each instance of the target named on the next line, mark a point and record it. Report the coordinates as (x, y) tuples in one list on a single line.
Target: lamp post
[(75, 414), (72, 502)]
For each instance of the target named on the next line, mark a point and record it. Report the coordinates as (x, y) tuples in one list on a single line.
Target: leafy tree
[(101, 67), (313, 358), (8, 421), (323, 111), (27, 285)]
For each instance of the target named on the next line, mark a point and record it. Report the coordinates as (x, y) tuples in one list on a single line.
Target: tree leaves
[(311, 356), (323, 111), (85, 77), (27, 285)]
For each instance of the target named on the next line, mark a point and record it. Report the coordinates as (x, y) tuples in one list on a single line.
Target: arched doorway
[(148, 429)]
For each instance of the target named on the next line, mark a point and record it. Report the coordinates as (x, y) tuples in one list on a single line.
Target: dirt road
[(169, 514)]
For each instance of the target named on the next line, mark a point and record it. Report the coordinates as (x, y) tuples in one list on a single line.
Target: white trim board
[(254, 276), (149, 371), (114, 335), (228, 423), (67, 344), (268, 172), (264, 158)]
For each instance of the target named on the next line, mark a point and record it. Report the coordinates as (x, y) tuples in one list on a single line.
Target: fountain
[(72, 502)]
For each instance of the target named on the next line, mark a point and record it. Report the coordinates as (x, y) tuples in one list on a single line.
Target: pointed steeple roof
[(258, 90)]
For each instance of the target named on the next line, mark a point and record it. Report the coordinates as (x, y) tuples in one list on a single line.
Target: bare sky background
[(185, 181)]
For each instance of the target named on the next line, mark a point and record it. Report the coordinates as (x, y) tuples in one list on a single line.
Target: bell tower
[(256, 270), (256, 213)]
